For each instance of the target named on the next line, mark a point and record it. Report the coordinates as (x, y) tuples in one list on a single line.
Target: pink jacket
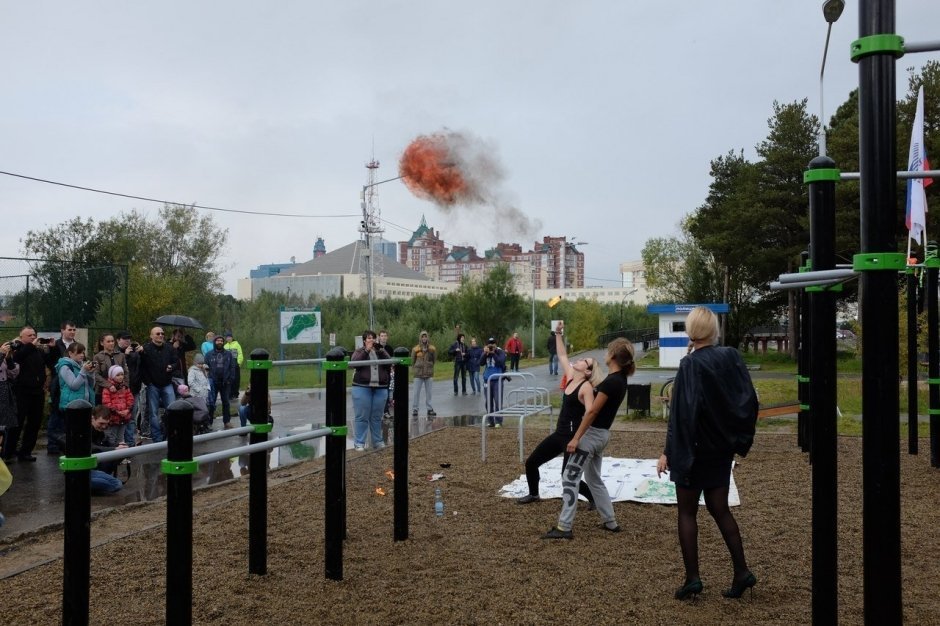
[(119, 400)]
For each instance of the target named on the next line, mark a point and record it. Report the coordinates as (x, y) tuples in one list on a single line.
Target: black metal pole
[(822, 177), (881, 491), (76, 552), (401, 444), (259, 365), (335, 470), (179, 468), (911, 361), (933, 360), (803, 354)]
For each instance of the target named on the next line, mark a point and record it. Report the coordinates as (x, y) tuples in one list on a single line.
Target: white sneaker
[(359, 448)]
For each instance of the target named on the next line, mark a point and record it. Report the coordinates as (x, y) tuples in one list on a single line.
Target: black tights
[(716, 501), (548, 449)]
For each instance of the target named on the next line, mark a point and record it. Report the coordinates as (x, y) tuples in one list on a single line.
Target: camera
[(44, 340), (15, 343), (134, 345)]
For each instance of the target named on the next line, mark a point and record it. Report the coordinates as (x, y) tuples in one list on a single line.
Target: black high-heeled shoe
[(691, 588), (738, 587)]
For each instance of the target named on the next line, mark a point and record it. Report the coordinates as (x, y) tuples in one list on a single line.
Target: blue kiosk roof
[(714, 307)]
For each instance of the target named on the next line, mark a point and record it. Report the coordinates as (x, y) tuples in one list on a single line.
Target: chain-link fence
[(44, 292)]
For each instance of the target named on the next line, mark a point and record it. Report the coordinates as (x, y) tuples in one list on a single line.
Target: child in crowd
[(118, 398)]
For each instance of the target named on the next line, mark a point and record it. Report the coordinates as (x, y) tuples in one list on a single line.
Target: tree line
[(174, 261), (754, 221)]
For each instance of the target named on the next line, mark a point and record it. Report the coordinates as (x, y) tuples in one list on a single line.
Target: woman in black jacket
[(712, 415), (369, 390)]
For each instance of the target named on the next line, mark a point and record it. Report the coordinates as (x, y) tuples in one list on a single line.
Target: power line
[(195, 206), (404, 229)]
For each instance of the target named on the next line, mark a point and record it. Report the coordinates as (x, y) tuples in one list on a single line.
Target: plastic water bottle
[(438, 503)]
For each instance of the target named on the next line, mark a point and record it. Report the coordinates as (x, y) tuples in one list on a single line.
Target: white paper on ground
[(632, 480)]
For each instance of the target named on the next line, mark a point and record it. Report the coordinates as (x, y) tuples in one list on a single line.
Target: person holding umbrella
[(179, 340), (182, 343)]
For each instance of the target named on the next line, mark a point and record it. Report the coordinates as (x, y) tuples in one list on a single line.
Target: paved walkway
[(36, 497)]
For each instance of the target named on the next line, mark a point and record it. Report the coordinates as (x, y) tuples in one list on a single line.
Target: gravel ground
[(484, 562)]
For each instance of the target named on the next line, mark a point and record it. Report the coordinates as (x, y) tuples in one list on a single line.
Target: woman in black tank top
[(577, 398)]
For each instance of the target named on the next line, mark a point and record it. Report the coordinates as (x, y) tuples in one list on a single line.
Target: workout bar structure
[(876, 53), (822, 388), (179, 466)]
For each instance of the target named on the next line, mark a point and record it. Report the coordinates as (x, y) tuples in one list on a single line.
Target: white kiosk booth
[(673, 340)]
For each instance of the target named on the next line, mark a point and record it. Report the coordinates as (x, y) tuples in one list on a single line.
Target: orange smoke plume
[(453, 168), (431, 171)]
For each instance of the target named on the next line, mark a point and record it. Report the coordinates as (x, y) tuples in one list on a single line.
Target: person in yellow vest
[(236, 349)]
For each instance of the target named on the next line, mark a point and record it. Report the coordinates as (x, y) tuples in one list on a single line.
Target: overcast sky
[(603, 115)]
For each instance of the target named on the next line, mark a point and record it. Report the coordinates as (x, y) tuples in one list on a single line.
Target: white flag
[(916, 213)]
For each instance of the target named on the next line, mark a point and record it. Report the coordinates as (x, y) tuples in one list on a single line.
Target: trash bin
[(638, 397)]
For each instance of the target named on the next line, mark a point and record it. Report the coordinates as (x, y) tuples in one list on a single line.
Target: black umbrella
[(182, 321)]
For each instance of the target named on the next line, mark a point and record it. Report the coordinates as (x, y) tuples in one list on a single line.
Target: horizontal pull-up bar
[(900, 175), (778, 286), (921, 46), (819, 278), (802, 277)]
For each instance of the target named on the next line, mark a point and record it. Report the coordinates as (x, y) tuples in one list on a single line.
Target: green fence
[(44, 292)]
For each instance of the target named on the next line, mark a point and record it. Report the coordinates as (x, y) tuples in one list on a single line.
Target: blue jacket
[(74, 382), (474, 355), (494, 362), (221, 365)]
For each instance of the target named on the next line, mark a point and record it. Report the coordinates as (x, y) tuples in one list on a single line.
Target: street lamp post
[(573, 244), (622, 300), (832, 10), (532, 345), (367, 230)]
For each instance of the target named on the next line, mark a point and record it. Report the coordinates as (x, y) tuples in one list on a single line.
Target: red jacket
[(119, 400), (514, 345)]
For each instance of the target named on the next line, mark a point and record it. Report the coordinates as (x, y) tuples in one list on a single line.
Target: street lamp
[(832, 10), (367, 227), (624, 299), (532, 277), (573, 245)]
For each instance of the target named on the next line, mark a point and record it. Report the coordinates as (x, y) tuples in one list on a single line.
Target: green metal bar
[(876, 44), (77, 463), (178, 468), (824, 174), (891, 261)]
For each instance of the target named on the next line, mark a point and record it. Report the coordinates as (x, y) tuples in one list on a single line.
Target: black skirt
[(706, 473)]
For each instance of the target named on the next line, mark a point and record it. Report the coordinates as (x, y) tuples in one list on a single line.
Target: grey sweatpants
[(427, 383), (587, 460)]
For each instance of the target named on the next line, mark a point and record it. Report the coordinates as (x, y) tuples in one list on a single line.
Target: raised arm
[(560, 348)]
